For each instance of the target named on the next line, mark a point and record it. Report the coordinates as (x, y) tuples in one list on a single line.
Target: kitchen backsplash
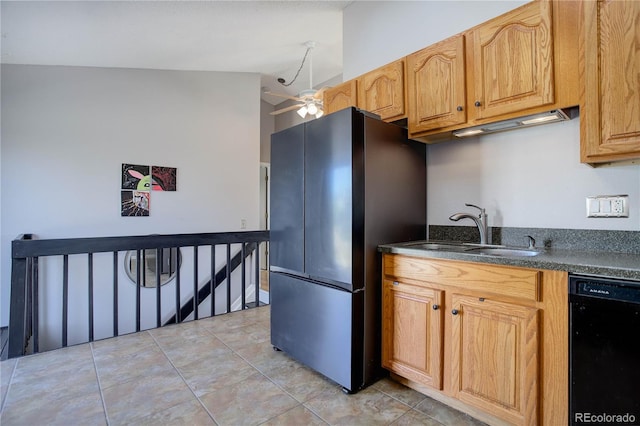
[(566, 239)]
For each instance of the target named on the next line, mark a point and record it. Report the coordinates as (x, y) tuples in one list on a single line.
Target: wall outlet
[(608, 206), (243, 223)]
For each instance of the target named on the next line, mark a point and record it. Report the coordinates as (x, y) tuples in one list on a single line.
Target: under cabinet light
[(467, 132), (542, 119), (515, 123)]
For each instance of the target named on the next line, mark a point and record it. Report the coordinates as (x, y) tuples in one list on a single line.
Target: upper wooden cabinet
[(511, 61), (507, 67), (610, 107), (339, 97), (381, 91), (436, 81)]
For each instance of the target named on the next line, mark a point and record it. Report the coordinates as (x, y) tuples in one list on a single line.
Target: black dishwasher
[(604, 351)]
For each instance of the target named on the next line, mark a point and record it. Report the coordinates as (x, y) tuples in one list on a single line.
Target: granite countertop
[(599, 263)]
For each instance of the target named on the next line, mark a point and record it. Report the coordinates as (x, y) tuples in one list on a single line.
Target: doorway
[(265, 169)]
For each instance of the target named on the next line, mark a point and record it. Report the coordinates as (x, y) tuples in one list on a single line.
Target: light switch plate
[(608, 206)]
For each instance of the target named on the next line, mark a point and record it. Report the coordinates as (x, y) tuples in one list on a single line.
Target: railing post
[(35, 306), (228, 269), (257, 272), (243, 280), (159, 260), (212, 281), (18, 308)]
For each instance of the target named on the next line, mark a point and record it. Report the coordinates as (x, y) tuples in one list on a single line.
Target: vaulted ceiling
[(265, 37)]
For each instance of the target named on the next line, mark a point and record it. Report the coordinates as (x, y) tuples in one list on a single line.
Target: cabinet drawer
[(502, 280)]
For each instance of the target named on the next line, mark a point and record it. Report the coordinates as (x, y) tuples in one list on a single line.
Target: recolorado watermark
[(604, 418)]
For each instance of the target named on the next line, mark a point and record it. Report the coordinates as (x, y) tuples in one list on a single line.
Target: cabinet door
[(512, 61), (412, 332), (436, 86), (382, 91), (340, 97), (494, 357), (610, 122)]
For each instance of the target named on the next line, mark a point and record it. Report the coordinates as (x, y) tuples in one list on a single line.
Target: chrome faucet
[(480, 220)]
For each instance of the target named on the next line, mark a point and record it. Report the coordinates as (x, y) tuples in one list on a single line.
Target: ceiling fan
[(309, 100)]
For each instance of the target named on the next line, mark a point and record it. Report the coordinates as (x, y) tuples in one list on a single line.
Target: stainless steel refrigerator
[(340, 186)]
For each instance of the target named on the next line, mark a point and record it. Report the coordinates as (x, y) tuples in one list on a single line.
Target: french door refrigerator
[(340, 186)]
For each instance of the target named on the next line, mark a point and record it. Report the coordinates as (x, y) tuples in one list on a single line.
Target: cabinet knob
[(477, 103), (436, 307), (454, 312), (459, 108), (396, 283)]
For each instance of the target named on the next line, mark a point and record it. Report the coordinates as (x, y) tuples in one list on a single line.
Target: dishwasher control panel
[(605, 288)]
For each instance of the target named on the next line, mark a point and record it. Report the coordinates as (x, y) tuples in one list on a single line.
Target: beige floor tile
[(176, 332), (298, 381), (367, 407), (249, 402), (414, 418), (204, 376), (153, 377), (114, 368), (85, 409), (144, 396), (183, 351), (243, 336), (262, 356), (399, 391), (123, 345), (188, 413), (237, 319), (445, 414), (297, 416), (59, 383), (59, 361), (6, 372)]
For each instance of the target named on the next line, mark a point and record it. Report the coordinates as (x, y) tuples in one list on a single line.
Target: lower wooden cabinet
[(412, 330), (489, 340), (494, 362)]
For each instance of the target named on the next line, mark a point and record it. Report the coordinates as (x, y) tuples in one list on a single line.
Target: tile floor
[(219, 370)]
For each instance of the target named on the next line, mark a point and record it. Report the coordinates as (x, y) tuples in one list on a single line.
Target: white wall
[(267, 127), (524, 178), (67, 130), (378, 32)]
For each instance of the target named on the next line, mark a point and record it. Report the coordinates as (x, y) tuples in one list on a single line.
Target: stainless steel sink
[(504, 251), (471, 248), (458, 247)]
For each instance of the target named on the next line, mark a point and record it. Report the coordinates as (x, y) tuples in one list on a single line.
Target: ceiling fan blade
[(320, 92), (287, 109), (280, 95)]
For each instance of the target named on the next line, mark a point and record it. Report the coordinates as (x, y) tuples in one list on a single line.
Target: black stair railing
[(28, 252), (191, 306)]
